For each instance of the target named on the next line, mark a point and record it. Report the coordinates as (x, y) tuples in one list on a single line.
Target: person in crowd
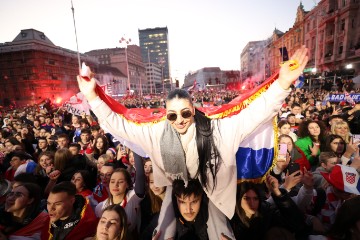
[(44, 167), (164, 139), (284, 128), (20, 163), (48, 125), (21, 217), (101, 191), (295, 153), (63, 141), (147, 166), (191, 210), (131, 166), (311, 134), (111, 152), (336, 193), (112, 224), (58, 125), (328, 160), (27, 138), (123, 193), (101, 145), (75, 148), (84, 185), (334, 119), (336, 144), (342, 129), (10, 145), (152, 201), (255, 217), (42, 146), (71, 216), (95, 131), (347, 221), (103, 159), (64, 168), (294, 126), (85, 142)]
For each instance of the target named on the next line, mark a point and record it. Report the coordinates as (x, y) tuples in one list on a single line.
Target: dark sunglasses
[(184, 114)]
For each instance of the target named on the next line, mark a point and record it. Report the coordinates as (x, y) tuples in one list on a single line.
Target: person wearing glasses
[(189, 145), (21, 217), (101, 191)]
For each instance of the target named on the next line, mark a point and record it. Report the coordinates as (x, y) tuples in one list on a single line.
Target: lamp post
[(126, 42)]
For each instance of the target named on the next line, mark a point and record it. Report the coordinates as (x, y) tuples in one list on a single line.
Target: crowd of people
[(64, 177)]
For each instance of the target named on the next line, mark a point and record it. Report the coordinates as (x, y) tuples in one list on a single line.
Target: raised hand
[(87, 83), (286, 75)]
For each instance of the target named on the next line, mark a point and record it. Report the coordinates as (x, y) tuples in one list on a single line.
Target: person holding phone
[(254, 218)]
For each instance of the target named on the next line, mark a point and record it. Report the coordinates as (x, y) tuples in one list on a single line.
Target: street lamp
[(349, 66), (126, 42)]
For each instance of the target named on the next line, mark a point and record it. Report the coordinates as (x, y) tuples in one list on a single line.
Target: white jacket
[(228, 133)]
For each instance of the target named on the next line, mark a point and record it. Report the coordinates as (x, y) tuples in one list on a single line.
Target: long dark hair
[(328, 140), (32, 209), (304, 131), (243, 188), (206, 147)]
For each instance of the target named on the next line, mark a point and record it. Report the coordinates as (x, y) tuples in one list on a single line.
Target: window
[(342, 25), (353, 23), (341, 48)]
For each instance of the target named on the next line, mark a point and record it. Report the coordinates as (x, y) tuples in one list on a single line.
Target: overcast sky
[(202, 33)]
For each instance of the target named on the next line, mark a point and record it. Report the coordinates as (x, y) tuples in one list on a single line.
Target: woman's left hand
[(286, 75)]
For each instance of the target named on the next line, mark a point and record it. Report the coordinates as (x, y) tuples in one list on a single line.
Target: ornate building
[(292, 40), (32, 69), (331, 31)]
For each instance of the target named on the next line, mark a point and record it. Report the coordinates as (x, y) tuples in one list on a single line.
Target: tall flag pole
[(77, 45)]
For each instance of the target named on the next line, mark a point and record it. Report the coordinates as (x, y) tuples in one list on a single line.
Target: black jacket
[(283, 214)]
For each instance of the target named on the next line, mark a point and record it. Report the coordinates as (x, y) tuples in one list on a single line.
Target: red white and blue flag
[(344, 178)]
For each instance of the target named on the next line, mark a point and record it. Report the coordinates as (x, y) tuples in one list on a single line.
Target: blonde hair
[(341, 124)]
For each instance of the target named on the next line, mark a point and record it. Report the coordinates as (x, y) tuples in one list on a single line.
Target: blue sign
[(341, 97)]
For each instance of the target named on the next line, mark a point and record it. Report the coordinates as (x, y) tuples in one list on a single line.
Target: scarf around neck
[(173, 155)]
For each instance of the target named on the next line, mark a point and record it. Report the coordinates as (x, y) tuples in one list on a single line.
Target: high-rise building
[(154, 46), (32, 68)]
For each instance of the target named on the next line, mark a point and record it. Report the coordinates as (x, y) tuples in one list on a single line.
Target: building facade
[(154, 44), (154, 78), (128, 61), (331, 32), (32, 69), (252, 60), (114, 81), (291, 40)]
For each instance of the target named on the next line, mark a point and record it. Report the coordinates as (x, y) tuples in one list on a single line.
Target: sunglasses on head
[(184, 114)]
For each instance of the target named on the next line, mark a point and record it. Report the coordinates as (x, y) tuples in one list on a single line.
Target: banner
[(77, 104), (342, 97)]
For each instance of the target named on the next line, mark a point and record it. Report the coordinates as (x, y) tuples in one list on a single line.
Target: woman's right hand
[(314, 149), (87, 87)]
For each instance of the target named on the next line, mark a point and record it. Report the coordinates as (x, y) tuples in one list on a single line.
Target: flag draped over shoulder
[(255, 155), (344, 178)]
